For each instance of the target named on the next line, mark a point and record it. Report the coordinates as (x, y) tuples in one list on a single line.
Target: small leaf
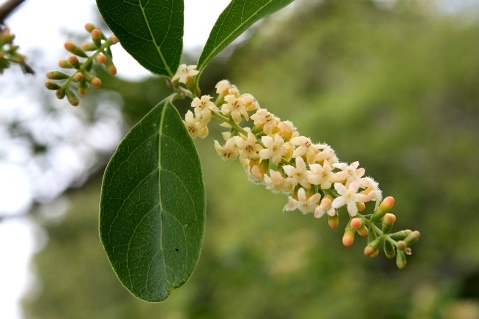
[(238, 16), (150, 30), (153, 203)]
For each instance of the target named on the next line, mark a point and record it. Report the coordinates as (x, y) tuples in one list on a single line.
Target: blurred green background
[(395, 87)]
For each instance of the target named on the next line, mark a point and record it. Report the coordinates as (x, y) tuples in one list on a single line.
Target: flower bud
[(389, 249), (96, 37), (60, 93), (333, 221), (51, 85), (82, 87), (88, 46), (401, 259), (72, 48), (358, 224), (412, 238), (114, 39), (373, 247), (401, 245), (361, 206), (400, 235), (72, 98), (348, 237), (57, 75), (64, 64), (89, 27), (101, 58), (385, 207), (388, 222), (73, 60)]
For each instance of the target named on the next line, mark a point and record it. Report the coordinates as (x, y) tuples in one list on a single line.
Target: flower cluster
[(274, 154), (82, 63), (9, 52)]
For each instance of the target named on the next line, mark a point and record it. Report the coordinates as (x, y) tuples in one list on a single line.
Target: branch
[(7, 8)]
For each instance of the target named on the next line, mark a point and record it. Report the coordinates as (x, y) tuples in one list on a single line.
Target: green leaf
[(150, 30), (153, 203), (238, 16)]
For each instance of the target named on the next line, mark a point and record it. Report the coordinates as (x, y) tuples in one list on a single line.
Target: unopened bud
[(73, 60), (72, 48), (333, 221), (82, 87), (373, 247), (400, 235), (60, 93), (388, 222), (95, 82), (64, 64), (412, 238), (57, 75), (384, 208), (401, 245), (389, 249), (51, 85), (72, 98), (96, 37), (401, 259), (114, 39), (358, 224), (101, 58), (89, 27), (78, 76), (111, 69), (361, 206), (348, 237), (88, 46)]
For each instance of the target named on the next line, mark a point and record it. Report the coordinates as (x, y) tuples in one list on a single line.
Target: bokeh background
[(392, 84)]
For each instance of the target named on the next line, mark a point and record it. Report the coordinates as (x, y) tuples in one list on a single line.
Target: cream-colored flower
[(304, 203), (349, 196), (235, 107), (224, 88), (185, 73), (348, 173), (304, 148), (203, 107), (195, 127), (326, 153), (371, 189), (265, 120), (227, 151), (277, 183), (250, 102), (248, 146), (274, 150), (287, 130), (320, 175), (298, 174)]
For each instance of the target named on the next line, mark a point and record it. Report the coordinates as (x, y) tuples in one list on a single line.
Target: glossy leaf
[(152, 209), (150, 30), (238, 16)]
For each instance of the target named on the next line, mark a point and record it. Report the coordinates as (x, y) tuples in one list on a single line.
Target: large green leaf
[(150, 30), (238, 16), (153, 205)]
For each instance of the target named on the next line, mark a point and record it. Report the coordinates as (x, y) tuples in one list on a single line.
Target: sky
[(40, 27)]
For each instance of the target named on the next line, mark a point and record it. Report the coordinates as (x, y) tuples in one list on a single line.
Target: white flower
[(275, 148), (235, 107), (371, 189), (326, 153), (304, 203), (229, 150), (195, 127), (320, 174), (224, 87), (304, 148), (277, 183), (265, 120), (250, 102), (248, 146), (185, 73), (348, 173), (287, 130), (348, 196), (203, 107), (299, 173)]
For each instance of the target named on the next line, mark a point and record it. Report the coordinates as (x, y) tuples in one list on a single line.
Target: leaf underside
[(237, 17), (151, 31), (153, 203)]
